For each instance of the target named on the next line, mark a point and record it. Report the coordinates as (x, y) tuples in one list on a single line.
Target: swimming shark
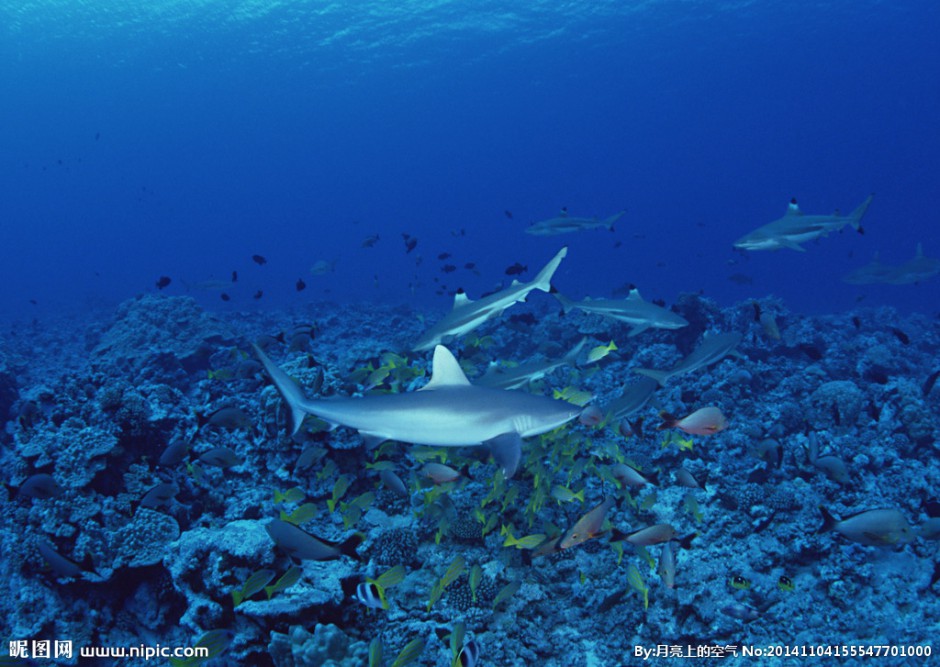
[(448, 411), (917, 269), (563, 224), (795, 228), (516, 377), (467, 315), (712, 349), (634, 310)]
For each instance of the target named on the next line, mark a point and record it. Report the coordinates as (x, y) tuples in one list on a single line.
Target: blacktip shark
[(564, 224), (448, 411), (467, 315), (915, 270), (712, 349), (795, 227), (634, 310)]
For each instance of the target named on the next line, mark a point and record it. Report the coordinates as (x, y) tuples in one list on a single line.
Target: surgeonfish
[(667, 565), (629, 476), (878, 527), (300, 544), (704, 421), (40, 486)]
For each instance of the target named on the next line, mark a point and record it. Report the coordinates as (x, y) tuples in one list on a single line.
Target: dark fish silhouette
[(234, 276), (301, 285), (516, 269), (448, 268), (410, 242), (259, 294), (901, 336), (225, 297), (508, 214), (259, 260), (443, 256), (163, 281), (469, 266), (931, 381)]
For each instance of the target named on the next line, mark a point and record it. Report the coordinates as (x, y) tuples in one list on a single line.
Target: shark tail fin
[(659, 376), (566, 303), (609, 222), (829, 521), (572, 356), (287, 388), (543, 280), (856, 215)]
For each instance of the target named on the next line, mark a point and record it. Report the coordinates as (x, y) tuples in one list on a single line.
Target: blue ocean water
[(351, 166)]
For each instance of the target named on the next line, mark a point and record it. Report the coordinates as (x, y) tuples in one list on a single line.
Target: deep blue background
[(181, 139)]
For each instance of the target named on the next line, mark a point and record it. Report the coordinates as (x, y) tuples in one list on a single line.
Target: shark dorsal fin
[(445, 371), (793, 208), (634, 295), (461, 299), (515, 283), (563, 213)]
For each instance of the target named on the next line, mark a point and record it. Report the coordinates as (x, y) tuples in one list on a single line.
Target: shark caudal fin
[(287, 388), (856, 215), (659, 376), (543, 280), (609, 222)]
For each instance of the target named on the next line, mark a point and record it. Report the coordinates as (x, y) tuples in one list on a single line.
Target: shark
[(516, 377), (448, 411), (795, 228), (712, 349), (563, 224), (915, 270), (467, 315), (634, 310)]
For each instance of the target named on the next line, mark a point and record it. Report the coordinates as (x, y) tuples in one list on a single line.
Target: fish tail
[(543, 280), (829, 521), (609, 222), (566, 303), (348, 546), (669, 420), (659, 376), (856, 216)]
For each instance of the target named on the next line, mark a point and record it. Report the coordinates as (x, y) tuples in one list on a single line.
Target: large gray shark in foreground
[(562, 224), (448, 411), (795, 228), (634, 310), (915, 270), (467, 315)]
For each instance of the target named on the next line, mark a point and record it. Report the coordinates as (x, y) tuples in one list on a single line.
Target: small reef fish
[(159, 495), (467, 315), (516, 269), (587, 527), (370, 241), (564, 224), (878, 527), (221, 457), (599, 352), (40, 486), (439, 473), (712, 349), (163, 281), (645, 537), (298, 543), (630, 476), (229, 418), (795, 228), (393, 483), (667, 565), (259, 260), (704, 421), (688, 480), (62, 567), (740, 611), (632, 400)]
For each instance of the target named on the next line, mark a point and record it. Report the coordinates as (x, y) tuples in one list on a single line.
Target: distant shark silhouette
[(915, 270)]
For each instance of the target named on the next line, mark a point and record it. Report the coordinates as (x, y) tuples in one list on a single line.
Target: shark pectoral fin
[(637, 330), (507, 452), (371, 440), (787, 243)]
